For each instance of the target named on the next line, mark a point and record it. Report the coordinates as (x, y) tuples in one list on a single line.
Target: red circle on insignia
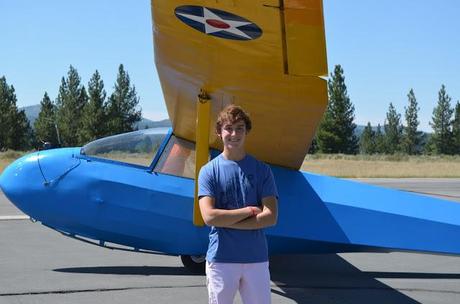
[(217, 23)]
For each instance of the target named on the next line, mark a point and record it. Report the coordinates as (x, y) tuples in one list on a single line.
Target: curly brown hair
[(232, 114)]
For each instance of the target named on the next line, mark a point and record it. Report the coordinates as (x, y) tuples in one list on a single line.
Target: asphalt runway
[(38, 265)]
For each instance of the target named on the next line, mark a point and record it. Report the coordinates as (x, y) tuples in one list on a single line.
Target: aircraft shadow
[(328, 278), (130, 270), (323, 278)]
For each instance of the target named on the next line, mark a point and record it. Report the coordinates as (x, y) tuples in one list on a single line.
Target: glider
[(137, 191)]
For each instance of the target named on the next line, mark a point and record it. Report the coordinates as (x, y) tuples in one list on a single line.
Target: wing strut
[(203, 107)]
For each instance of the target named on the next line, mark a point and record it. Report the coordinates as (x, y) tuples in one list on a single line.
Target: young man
[(238, 198)]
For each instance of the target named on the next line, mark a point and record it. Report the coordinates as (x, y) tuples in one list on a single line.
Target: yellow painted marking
[(202, 148)]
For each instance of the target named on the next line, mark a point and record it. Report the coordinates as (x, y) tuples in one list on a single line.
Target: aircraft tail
[(326, 214)]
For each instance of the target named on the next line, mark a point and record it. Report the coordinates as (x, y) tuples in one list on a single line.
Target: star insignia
[(218, 23)]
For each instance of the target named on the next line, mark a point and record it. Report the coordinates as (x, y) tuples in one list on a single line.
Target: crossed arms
[(246, 218)]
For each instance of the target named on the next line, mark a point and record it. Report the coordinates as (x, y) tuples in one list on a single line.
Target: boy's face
[(233, 135)]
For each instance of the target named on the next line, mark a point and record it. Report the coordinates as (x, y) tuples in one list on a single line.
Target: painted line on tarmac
[(14, 217)]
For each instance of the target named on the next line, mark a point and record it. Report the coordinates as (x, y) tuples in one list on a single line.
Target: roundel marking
[(218, 23)]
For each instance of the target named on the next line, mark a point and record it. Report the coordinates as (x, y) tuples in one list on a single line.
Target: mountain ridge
[(33, 111)]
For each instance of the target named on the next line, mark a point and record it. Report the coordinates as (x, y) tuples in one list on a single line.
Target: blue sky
[(385, 47)]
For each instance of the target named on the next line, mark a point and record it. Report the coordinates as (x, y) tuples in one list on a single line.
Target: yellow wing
[(266, 56)]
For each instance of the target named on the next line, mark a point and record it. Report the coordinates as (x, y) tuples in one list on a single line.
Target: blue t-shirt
[(233, 185)]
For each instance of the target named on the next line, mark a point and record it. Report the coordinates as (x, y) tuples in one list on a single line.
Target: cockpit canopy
[(141, 148), (138, 147)]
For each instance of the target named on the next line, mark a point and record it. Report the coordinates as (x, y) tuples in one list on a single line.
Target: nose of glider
[(26, 181), (17, 178)]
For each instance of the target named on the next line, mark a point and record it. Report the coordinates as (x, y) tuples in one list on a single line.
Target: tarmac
[(39, 265)]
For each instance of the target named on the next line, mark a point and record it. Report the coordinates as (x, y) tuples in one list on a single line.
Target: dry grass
[(143, 159), (8, 157), (3, 164), (361, 166), (133, 158)]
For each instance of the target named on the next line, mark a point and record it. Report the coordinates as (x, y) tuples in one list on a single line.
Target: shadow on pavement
[(305, 279), (130, 270), (330, 279)]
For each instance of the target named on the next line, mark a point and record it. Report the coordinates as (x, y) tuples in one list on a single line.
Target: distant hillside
[(32, 115), (147, 123), (360, 129)]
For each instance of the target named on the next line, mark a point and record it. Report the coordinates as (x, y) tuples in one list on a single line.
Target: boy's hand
[(255, 210)]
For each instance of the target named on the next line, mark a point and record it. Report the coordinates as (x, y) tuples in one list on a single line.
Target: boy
[(238, 198)]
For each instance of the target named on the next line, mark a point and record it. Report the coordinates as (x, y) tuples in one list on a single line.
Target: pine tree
[(4, 111), (411, 137), (45, 125), (380, 146), (367, 140), (456, 129), (82, 103), (71, 100), (336, 133), (21, 136), (94, 117), (122, 105), (15, 132), (441, 141), (313, 146), (393, 131)]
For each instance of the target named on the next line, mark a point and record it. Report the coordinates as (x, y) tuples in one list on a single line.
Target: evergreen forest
[(77, 115), (81, 113)]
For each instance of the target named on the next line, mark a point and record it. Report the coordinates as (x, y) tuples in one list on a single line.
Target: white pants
[(252, 280)]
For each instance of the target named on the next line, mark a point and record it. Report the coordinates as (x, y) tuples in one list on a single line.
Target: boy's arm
[(221, 217), (268, 217)]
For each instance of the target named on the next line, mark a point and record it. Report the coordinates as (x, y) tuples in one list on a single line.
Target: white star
[(209, 29)]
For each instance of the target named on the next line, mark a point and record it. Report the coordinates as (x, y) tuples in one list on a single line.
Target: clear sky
[(385, 47)]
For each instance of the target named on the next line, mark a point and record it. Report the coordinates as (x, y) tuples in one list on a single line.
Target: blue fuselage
[(130, 205)]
